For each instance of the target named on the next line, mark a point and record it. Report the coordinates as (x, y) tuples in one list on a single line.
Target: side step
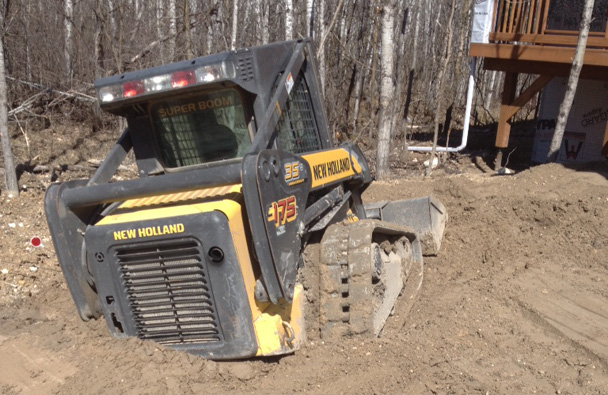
[(426, 216)]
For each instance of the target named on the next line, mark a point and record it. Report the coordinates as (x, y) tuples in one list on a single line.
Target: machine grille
[(245, 67), (169, 293)]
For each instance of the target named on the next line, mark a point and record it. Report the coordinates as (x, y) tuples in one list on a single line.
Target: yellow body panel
[(279, 328), (182, 196), (331, 166)]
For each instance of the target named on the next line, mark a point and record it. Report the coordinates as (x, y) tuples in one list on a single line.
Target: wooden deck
[(520, 34), (523, 39)]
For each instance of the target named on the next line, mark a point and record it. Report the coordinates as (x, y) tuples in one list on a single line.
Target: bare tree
[(188, 30), (235, 23), (310, 27), (386, 92), (68, 9), (440, 88), (262, 10), (575, 71), (288, 19), (411, 74), (112, 36), (10, 175), (321, 52), (172, 28)]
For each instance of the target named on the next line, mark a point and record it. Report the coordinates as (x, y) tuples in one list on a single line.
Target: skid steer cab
[(237, 172)]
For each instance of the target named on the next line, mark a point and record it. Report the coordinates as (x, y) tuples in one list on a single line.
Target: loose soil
[(516, 302)]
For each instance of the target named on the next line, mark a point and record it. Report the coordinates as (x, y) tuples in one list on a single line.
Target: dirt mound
[(515, 303)]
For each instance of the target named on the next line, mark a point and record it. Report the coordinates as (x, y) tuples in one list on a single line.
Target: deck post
[(508, 97)]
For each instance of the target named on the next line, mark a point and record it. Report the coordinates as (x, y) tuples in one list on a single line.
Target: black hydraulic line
[(315, 210), (152, 186)]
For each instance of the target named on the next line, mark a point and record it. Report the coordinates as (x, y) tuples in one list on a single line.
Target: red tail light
[(179, 79), (133, 88)]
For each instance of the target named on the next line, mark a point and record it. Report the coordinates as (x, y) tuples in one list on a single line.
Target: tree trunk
[(327, 31), (235, 23), (288, 19), (411, 76), (265, 8), (310, 26), (361, 72), (439, 88), (403, 23), (172, 29), (372, 77), (321, 53), (577, 65), (490, 84), (98, 39), (386, 92), (10, 175), (160, 11), (28, 58), (68, 10), (188, 30)]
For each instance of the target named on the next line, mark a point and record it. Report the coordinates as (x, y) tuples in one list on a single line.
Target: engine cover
[(157, 279)]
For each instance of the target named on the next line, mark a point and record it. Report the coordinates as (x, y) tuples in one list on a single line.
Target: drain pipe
[(467, 117)]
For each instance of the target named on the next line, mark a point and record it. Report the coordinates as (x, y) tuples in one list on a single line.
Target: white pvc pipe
[(467, 117)]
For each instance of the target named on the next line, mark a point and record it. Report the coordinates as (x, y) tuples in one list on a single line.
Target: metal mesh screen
[(180, 148), (201, 129), (297, 127)]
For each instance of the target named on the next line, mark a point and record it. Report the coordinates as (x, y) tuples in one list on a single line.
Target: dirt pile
[(515, 303)]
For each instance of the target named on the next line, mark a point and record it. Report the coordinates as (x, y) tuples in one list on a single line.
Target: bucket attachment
[(427, 216)]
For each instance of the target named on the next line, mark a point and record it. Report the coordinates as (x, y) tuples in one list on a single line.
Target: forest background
[(386, 66)]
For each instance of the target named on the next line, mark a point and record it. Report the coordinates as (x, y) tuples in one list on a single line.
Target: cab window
[(199, 129)]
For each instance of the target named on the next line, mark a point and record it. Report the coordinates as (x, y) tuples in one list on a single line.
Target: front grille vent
[(169, 293)]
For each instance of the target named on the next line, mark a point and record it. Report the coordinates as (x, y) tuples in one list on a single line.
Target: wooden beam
[(517, 104), (550, 39), (510, 104), (537, 67), (593, 57), (549, 32)]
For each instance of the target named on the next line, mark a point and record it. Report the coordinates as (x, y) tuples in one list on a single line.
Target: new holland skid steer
[(237, 173)]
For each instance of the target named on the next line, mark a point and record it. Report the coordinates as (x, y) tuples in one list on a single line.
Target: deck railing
[(527, 22)]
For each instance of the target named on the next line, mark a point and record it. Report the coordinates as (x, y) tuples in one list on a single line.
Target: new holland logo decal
[(149, 231)]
